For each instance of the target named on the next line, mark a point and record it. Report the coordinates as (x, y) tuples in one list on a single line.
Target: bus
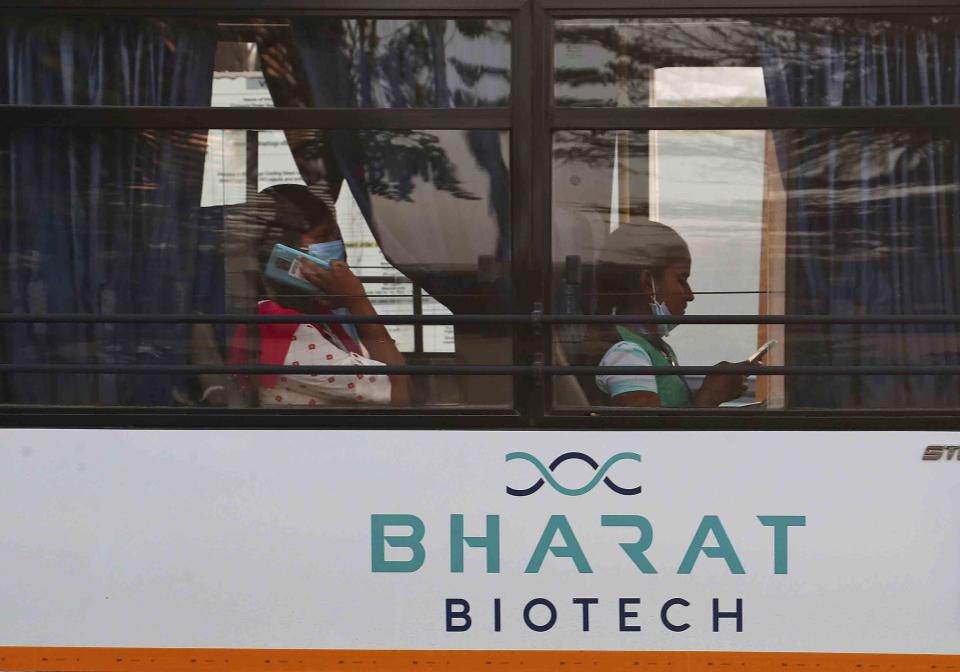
[(479, 334)]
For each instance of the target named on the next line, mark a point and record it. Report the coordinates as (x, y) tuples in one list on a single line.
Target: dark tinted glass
[(102, 222), (322, 62), (795, 222), (107, 61), (402, 62), (776, 61)]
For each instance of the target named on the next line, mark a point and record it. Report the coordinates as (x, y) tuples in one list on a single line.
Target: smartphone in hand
[(761, 352), (284, 267)]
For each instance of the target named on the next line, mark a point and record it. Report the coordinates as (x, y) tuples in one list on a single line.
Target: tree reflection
[(428, 63), (610, 63)]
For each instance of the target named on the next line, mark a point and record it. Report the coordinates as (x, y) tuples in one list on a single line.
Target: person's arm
[(382, 348), (720, 387), (345, 290), (628, 390)]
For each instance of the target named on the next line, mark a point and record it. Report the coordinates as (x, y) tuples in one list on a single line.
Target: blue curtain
[(873, 216), (104, 221), (348, 64)]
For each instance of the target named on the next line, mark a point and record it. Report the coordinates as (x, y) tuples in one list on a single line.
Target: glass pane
[(307, 61), (402, 62), (180, 222), (795, 222), (775, 61), (107, 61)]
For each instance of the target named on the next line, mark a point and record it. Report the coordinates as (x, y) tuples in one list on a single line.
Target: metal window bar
[(258, 8), (530, 370), (417, 328), (534, 320), (251, 118), (493, 118), (627, 8), (529, 319), (557, 7)]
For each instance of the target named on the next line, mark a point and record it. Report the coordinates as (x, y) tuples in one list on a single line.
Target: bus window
[(149, 222), (818, 222), (133, 238), (388, 62), (810, 222), (882, 60)]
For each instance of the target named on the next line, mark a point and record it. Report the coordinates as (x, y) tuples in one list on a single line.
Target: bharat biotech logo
[(613, 541), (547, 474)]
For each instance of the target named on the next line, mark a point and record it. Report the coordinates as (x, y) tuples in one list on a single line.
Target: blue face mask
[(331, 251), (660, 308)]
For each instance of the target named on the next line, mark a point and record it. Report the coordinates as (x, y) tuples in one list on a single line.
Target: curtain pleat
[(103, 221), (872, 214)]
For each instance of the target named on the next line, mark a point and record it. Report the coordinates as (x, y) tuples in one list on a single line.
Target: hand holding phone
[(761, 352), (284, 267)]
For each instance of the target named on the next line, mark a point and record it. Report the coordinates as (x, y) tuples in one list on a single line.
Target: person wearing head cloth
[(644, 270), (301, 220)]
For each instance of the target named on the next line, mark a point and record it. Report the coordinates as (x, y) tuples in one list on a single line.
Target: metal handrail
[(531, 319), (475, 370), (493, 118)]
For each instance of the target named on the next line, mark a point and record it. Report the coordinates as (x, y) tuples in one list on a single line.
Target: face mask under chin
[(660, 308)]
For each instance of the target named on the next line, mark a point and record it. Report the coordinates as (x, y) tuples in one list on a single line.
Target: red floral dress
[(310, 345)]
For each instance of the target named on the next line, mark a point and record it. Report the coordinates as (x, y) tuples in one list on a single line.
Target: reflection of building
[(709, 186), (393, 297), (225, 170)]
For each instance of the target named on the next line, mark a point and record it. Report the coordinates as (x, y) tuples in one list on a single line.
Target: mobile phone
[(761, 351), (284, 267)]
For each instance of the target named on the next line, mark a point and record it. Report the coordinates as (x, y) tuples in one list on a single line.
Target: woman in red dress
[(302, 221)]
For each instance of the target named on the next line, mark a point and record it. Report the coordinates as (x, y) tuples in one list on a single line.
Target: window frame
[(531, 104), (720, 118)]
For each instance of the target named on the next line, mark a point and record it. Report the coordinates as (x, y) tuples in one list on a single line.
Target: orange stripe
[(69, 659)]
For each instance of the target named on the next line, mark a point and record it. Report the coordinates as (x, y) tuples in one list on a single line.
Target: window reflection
[(422, 217), (307, 60), (806, 62), (816, 222), (377, 62), (145, 221)]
